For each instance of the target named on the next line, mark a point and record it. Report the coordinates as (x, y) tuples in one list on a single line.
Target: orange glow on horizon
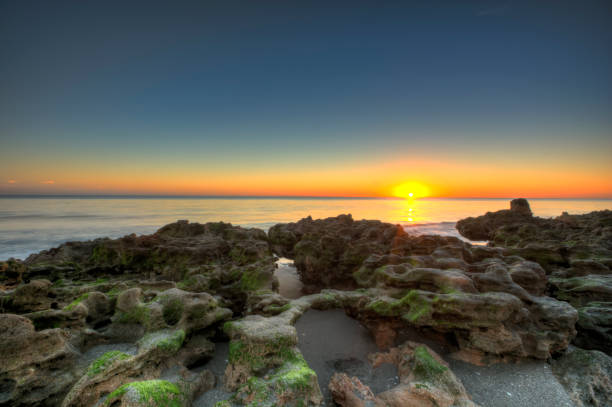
[(423, 178)]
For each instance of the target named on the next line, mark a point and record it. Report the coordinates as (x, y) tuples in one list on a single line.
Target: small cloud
[(12, 181), (48, 182)]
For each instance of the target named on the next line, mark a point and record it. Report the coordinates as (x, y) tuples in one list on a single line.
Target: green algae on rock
[(150, 393), (105, 361)]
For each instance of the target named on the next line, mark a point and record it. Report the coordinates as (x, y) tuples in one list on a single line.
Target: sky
[(311, 98)]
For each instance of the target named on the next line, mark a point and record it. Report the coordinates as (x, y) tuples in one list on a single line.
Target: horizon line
[(170, 196)]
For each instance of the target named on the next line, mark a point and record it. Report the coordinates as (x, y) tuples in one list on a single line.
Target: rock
[(574, 250), (197, 351), (191, 311), (334, 244), (520, 206), (11, 272), (99, 307), (586, 375), (30, 359), (166, 254), (530, 276), (110, 372), (484, 227), (595, 326), (350, 392), (33, 296), (129, 299), (265, 366), (149, 393), (425, 379)]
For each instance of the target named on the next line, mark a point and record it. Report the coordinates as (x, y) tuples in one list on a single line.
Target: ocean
[(31, 224)]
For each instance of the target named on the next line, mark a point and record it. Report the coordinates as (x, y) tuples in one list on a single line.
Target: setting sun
[(411, 190)]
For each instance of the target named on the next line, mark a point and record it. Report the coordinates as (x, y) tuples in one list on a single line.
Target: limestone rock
[(586, 375), (29, 359)]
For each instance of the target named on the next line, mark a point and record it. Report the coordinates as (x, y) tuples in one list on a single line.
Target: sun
[(411, 190)]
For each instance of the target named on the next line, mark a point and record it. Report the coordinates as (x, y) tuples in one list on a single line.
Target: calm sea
[(28, 225)]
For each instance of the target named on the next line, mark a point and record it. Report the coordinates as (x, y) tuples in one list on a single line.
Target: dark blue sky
[(304, 82)]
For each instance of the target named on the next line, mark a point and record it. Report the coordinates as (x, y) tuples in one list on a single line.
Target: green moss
[(259, 355), (59, 283), (425, 366), (151, 393), (227, 327), (173, 310), (76, 302), (258, 391), (277, 309), (364, 276), (289, 383), (240, 256), (295, 373), (104, 361), (113, 292), (413, 306), (223, 403), (420, 306), (100, 281), (174, 343), (102, 255), (253, 280), (137, 315)]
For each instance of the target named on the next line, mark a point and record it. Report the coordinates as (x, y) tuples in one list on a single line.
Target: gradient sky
[(469, 98)]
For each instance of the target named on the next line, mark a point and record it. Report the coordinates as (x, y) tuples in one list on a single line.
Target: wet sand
[(289, 282), (217, 366), (333, 342), (529, 383)]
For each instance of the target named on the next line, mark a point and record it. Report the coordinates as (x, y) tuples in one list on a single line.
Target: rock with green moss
[(265, 367), (327, 251), (293, 383), (168, 341), (191, 311), (114, 369), (149, 393), (170, 252), (104, 361), (425, 379)]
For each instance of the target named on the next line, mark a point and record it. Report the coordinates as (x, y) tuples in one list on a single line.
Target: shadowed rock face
[(484, 227), (327, 251), (574, 250)]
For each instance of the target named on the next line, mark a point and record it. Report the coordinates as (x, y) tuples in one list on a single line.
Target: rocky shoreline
[(154, 309)]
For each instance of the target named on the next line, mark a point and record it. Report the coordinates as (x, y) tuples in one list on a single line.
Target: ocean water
[(28, 225)]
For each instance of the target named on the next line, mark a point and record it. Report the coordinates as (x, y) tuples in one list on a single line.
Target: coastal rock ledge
[(139, 320)]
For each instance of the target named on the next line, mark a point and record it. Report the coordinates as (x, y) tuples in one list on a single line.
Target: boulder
[(29, 359), (586, 375)]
